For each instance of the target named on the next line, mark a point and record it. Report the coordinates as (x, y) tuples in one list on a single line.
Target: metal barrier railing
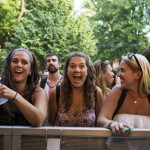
[(30, 138)]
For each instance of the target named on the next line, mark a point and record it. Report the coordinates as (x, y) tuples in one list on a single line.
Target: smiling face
[(127, 76), (77, 71), (20, 66)]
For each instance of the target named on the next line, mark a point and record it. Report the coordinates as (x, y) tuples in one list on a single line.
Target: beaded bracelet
[(14, 97)]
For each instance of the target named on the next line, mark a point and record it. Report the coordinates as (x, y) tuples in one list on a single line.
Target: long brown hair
[(89, 85), (32, 79)]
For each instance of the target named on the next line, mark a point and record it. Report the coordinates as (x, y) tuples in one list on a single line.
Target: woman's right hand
[(119, 129)]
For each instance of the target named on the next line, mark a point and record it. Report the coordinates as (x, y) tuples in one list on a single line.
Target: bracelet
[(110, 124), (14, 97)]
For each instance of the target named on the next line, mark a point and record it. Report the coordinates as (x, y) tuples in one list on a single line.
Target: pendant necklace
[(77, 107), (134, 101)]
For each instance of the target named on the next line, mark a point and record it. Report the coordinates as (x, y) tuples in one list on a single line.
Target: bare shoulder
[(99, 94), (111, 101), (115, 93), (38, 94), (98, 90), (117, 88), (38, 88)]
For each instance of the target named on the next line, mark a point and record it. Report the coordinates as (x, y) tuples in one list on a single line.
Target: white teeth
[(18, 71)]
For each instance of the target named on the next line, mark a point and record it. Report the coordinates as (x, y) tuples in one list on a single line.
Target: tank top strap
[(120, 101), (149, 98)]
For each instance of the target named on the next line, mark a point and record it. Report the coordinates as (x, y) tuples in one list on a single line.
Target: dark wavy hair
[(53, 54), (89, 85), (32, 79)]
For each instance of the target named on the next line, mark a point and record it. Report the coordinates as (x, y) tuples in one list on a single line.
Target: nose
[(119, 74), (19, 64), (51, 62), (77, 69)]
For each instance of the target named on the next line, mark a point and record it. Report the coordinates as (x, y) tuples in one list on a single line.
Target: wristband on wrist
[(14, 97)]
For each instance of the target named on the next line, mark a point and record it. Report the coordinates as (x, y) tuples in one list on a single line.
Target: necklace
[(56, 84), (77, 107), (134, 101)]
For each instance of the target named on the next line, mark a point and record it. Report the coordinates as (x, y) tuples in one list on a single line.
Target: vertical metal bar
[(16, 142), (7, 142)]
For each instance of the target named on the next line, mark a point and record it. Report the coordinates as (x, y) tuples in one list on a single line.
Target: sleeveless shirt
[(85, 118), (11, 115)]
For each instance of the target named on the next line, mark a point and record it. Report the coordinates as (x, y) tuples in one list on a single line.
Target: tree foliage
[(51, 26), (9, 11), (119, 26)]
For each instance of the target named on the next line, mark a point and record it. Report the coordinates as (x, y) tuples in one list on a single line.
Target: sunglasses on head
[(130, 55)]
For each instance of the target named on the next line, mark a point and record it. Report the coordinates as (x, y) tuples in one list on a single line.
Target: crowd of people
[(88, 94)]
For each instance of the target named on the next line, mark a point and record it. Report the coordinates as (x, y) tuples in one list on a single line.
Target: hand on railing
[(119, 129)]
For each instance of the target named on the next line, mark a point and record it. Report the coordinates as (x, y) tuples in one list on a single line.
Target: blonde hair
[(144, 85)]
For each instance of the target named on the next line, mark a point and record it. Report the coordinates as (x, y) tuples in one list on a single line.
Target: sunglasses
[(130, 55)]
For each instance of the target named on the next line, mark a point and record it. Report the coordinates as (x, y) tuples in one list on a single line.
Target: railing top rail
[(67, 131)]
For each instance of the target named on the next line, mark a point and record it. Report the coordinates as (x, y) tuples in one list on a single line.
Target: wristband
[(14, 97)]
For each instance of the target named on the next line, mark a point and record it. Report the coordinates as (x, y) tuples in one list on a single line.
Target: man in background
[(54, 77)]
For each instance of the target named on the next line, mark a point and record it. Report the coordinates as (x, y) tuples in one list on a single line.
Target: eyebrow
[(14, 58)]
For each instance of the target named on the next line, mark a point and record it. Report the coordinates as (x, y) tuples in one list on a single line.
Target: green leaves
[(120, 26), (51, 26)]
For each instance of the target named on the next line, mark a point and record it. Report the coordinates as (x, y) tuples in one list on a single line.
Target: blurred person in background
[(54, 77), (104, 76)]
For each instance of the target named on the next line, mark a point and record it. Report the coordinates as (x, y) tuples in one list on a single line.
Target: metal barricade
[(30, 138), (5, 137)]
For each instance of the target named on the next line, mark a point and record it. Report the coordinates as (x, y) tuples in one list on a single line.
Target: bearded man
[(53, 63)]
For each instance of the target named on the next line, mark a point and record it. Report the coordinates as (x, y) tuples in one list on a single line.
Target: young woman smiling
[(27, 103)]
